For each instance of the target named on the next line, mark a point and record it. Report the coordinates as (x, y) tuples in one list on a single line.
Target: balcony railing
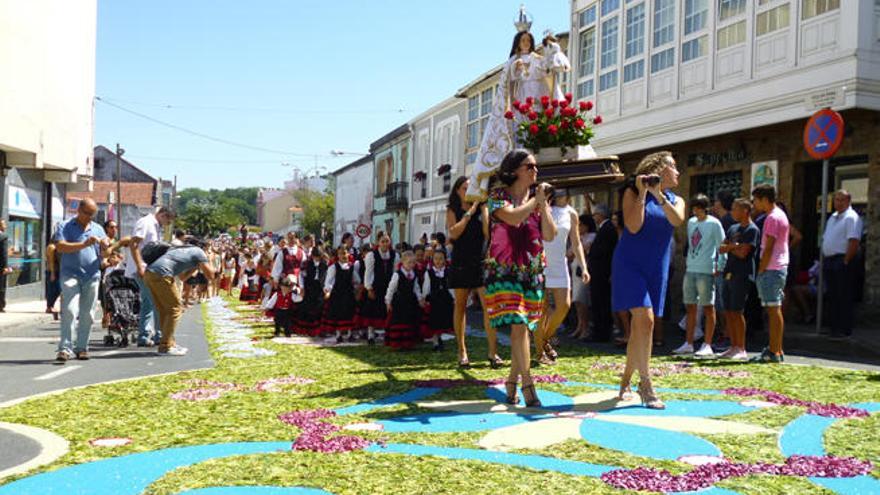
[(396, 196)]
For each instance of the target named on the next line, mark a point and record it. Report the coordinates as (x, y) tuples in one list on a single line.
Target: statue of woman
[(526, 76)]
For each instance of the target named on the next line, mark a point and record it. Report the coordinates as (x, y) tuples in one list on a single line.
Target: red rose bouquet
[(556, 124)]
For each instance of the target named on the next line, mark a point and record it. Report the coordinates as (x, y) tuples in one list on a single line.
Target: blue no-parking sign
[(823, 134)]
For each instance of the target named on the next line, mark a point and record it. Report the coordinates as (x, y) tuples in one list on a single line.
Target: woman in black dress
[(468, 227)]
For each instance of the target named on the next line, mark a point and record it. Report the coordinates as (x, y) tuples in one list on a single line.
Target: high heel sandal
[(625, 390), (531, 395), (495, 362), (648, 397), (550, 351), (464, 364), (512, 399)]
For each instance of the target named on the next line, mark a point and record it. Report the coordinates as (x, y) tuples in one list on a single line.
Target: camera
[(651, 180)]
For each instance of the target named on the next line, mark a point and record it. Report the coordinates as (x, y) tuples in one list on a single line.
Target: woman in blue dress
[(640, 268)]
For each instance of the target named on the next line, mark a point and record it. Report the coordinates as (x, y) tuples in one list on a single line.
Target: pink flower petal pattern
[(817, 408), (661, 480)]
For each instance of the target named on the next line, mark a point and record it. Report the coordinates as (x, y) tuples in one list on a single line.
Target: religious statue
[(526, 75)]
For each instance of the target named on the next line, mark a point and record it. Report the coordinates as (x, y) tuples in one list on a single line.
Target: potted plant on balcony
[(420, 176), (444, 169), (555, 130)]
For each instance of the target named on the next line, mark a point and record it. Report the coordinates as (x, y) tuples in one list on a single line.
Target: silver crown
[(524, 20)]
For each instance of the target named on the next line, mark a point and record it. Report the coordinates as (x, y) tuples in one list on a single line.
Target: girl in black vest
[(380, 265), (309, 312), (437, 297), (339, 290), (402, 302)]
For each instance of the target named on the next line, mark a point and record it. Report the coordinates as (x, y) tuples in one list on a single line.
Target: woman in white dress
[(557, 280), (526, 75)]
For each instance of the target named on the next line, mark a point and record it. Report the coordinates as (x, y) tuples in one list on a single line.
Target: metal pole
[(118, 191), (820, 288)]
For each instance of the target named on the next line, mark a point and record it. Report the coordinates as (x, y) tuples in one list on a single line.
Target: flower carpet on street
[(299, 419)]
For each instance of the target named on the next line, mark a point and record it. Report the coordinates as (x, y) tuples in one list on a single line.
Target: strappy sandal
[(531, 395), (625, 390), (512, 399), (648, 397), (464, 364), (495, 362), (550, 351)]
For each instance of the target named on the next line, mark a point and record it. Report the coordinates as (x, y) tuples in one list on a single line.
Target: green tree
[(318, 209), (202, 218)]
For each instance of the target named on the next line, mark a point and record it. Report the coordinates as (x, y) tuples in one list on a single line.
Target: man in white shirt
[(840, 245), (148, 229)]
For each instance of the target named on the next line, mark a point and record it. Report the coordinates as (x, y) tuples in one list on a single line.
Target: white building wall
[(354, 199), (47, 52), (764, 78)]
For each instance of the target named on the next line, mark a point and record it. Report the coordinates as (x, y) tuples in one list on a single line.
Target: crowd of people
[(525, 254)]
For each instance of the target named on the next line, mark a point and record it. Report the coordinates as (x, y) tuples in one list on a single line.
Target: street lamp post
[(119, 153)]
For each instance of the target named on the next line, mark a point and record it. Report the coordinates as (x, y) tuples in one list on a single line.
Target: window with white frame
[(664, 22), (730, 8), (635, 31), (812, 8), (731, 35), (609, 43), (587, 17), (426, 219), (633, 71), (608, 81), (479, 108), (587, 60), (585, 89), (772, 20), (694, 48), (662, 60), (609, 6), (696, 15)]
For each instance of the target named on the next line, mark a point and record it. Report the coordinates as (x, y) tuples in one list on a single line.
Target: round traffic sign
[(823, 134), (363, 231)]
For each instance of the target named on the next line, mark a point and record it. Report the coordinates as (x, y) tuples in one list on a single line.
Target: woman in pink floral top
[(515, 264)]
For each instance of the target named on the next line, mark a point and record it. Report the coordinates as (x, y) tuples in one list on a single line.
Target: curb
[(52, 447)]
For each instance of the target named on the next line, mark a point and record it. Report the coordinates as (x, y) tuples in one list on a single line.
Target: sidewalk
[(24, 313), (863, 346)]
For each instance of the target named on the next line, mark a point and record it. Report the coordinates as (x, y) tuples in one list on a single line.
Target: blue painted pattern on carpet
[(549, 400), (645, 441), (692, 409), (540, 463), (413, 395), (130, 474)]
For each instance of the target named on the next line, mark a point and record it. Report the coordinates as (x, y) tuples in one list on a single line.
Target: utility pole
[(119, 153)]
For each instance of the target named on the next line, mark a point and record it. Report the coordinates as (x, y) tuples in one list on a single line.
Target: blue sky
[(298, 76)]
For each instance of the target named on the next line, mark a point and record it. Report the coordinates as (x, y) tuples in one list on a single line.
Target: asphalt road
[(28, 367)]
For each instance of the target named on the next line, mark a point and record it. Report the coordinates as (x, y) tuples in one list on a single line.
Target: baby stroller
[(123, 302)]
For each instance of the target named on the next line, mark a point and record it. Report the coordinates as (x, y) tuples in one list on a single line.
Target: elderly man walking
[(79, 242), (840, 245), (148, 229)]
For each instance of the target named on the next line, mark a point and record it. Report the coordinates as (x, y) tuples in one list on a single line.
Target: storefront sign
[(765, 173), (24, 203), (713, 160)]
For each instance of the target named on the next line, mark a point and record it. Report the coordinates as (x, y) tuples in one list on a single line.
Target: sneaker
[(146, 343), (684, 349), (729, 353), (705, 352), (741, 355), (63, 356), (767, 357), (82, 355), (174, 351)]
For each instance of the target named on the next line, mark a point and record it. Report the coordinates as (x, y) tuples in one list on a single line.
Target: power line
[(208, 160), (205, 136), (169, 106)]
